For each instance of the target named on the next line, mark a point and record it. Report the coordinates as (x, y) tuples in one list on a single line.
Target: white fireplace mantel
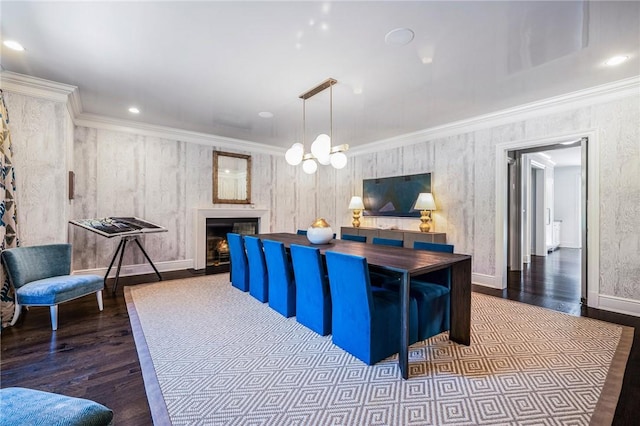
[(201, 216)]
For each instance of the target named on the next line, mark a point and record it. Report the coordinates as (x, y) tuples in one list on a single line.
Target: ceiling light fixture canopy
[(321, 150)]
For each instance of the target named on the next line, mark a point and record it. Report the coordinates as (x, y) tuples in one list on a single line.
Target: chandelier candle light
[(357, 206), (426, 204), (321, 149)]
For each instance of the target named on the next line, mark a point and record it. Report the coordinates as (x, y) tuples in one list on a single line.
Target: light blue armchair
[(40, 277)]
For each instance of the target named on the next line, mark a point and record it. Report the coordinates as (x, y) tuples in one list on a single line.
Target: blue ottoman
[(20, 406)]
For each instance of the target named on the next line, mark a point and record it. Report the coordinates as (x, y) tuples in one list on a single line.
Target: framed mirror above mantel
[(231, 178)]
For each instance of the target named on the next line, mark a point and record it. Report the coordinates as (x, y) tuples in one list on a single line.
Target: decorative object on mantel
[(319, 232), (321, 149), (426, 204), (357, 206)]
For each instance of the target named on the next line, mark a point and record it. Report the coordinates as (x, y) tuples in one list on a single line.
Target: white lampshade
[(425, 201), (325, 161), (309, 166), (338, 160), (321, 147), (294, 154), (356, 203)]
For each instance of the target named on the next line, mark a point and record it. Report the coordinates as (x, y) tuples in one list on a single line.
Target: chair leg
[(99, 297), (54, 317), (16, 314)]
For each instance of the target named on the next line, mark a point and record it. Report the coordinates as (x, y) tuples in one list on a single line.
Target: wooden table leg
[(460, 331), (403, 355)]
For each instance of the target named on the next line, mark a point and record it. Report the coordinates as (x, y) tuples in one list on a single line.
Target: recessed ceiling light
[(616, 60), (399, 37), (134, 110), (14, 45), (265, 114)]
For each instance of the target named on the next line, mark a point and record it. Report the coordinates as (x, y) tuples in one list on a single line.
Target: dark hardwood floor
[(93, 355)]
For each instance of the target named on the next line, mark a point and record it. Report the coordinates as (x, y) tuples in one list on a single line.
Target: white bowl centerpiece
[(319, 232)]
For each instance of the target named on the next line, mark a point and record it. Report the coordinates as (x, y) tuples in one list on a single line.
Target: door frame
[(591, 243)]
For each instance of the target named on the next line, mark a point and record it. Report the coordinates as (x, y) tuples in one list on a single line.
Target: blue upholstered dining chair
[(432, 292), (387, 242), (440, 247), (441, 278), (313, 296), (282, 286), (239, 263), (258, 277), (302, 232), (357, 238), (365, 323), (380, 279), (40, 277)]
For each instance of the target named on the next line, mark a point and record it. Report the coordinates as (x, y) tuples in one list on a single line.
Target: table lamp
[(357, 206), (425, 203)]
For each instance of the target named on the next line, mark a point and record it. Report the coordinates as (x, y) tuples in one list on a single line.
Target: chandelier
[(321, 150)]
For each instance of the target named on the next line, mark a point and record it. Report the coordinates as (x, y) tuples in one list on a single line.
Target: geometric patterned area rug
[(213, 355)]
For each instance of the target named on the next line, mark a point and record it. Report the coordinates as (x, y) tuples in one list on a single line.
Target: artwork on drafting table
[(118, 226)]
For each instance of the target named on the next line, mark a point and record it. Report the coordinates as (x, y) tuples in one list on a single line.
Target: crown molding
[(598, 94), (36, 87), (106, 123), (59, 92)]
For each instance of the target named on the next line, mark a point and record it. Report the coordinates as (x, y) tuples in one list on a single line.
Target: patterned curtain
[(8, 217)]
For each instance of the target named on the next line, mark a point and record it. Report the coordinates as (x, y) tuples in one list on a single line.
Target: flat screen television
[(394, 196)]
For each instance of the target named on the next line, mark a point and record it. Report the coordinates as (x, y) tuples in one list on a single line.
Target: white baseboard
[(570, 244), (139, 269), (619, 305), (485, 281)]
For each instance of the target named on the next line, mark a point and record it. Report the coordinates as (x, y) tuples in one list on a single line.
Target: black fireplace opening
[(218, 259)]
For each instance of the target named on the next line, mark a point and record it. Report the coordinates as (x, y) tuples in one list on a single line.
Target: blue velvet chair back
[(358, 238), (442, 277), (27, 264), (258, 277), (301, 232), (387, 242), (239, 263), (282, 286), (366, 324), (423, 245), (433, 292), (313, 296)]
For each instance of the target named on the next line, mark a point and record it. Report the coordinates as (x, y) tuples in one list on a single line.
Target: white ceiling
[(213, 66)]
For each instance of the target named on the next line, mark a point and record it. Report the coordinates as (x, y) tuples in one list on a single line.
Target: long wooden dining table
[(407, 263)]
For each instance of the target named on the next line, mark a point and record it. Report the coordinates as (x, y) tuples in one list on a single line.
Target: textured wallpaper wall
[(41, 131), (165, 180)]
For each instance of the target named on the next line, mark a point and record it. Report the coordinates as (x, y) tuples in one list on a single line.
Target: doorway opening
[(546, 221)]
